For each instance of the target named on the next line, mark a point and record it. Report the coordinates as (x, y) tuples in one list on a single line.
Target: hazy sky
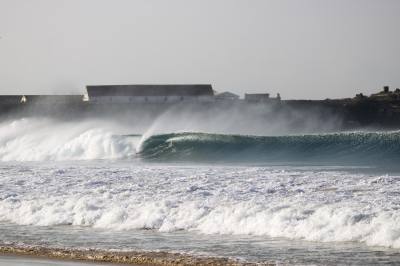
[(300, 48)]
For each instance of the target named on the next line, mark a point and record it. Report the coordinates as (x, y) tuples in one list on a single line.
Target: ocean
[(299, 199)]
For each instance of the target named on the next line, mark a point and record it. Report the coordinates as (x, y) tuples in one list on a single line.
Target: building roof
[(227, 94), (150, 90)]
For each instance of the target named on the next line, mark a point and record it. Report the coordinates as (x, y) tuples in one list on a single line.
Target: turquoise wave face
[(347, 148)]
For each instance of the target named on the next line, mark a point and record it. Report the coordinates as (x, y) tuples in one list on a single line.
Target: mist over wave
[(46, 139)]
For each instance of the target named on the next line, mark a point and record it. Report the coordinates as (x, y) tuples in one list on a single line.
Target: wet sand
[(64, 257), (12, 260)]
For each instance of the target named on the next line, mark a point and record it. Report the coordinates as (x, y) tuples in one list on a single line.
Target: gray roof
[(227, 94), (151, 90)]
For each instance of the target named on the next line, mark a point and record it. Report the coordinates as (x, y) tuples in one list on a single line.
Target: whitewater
[(310, 198)]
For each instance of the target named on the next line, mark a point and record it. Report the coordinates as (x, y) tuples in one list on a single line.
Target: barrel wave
[(49, 140), (355, 147)]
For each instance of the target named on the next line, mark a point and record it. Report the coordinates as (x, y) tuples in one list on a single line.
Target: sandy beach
[(15, 260), (10, 255)]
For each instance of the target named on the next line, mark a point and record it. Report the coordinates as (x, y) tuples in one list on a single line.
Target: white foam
[(309, 205), (44, 139)]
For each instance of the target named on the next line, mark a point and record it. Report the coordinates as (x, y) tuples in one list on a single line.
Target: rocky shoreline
[(120, 257)]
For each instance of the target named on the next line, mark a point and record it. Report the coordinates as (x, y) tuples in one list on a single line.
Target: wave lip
[(355, 147)]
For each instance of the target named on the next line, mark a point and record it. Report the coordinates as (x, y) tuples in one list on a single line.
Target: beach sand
[(12, 255), (13, 260)]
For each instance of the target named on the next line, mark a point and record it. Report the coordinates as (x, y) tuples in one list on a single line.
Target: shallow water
[(247, 248), (296, 214)]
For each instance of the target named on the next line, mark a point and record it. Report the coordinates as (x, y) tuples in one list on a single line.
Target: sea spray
[(47, 139)]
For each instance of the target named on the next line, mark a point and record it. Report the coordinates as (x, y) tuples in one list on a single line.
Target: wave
[(382, 147), (44, 140), (41, 140), (324, 223)]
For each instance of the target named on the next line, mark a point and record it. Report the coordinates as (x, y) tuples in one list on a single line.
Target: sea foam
[(311, 205)]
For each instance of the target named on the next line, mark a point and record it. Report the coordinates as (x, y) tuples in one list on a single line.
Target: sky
[(303, 49)]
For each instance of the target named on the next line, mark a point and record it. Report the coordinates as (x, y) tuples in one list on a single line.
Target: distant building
[(256, 97), (149, 93), (227, 96), (52, 99)]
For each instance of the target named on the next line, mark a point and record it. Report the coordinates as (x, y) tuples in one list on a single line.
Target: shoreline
[(119, 257), (18, 260)]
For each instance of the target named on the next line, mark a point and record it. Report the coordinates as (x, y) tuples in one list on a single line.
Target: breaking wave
[(339, 147), (311, 205), (43, 140)]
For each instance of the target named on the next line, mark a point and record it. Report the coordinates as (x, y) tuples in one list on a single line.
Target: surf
[(353, 147), (47, 139)]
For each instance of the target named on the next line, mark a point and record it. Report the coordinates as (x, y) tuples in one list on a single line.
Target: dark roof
[(150, 90)]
